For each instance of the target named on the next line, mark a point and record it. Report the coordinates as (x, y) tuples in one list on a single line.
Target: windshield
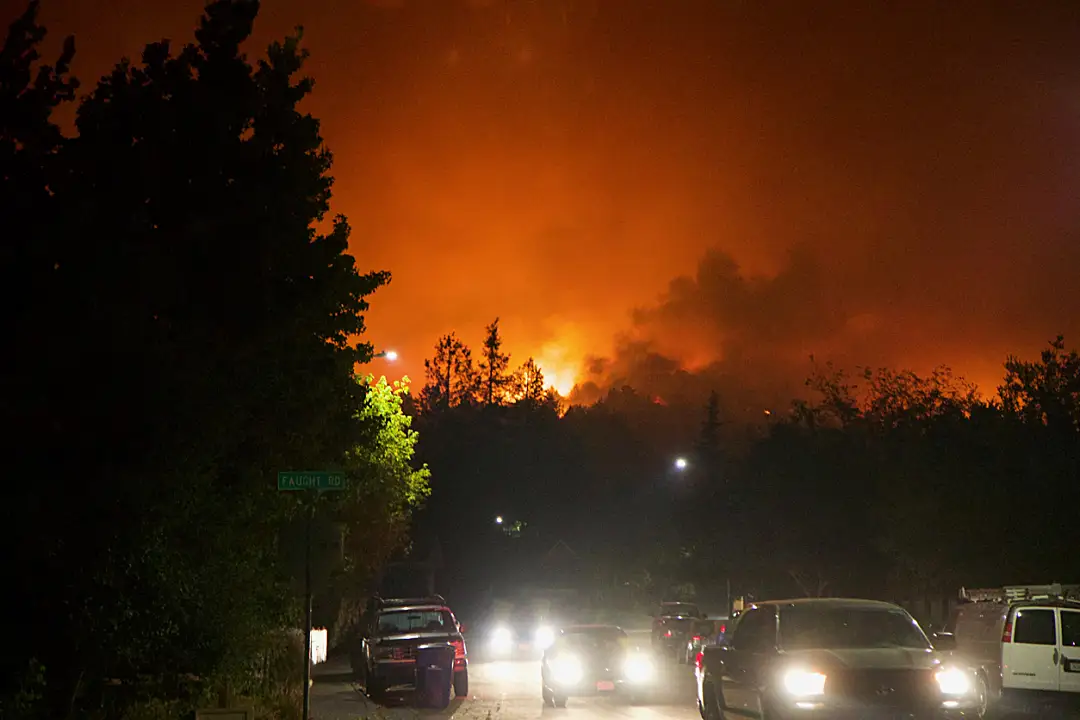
[(415, 621), (586, 640), (807, 627), (679, 610)]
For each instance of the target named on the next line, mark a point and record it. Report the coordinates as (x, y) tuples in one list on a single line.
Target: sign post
[(320, 481)]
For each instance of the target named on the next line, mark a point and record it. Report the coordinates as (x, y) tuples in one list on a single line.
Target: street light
[(389, 355), (681, 464), (498, 520)]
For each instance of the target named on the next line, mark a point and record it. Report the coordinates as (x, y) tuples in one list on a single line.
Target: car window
[(1035, 626), (805, 627), (406, 621), (1070, 628), (756, 631)]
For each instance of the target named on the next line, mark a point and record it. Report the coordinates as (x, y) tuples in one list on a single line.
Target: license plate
[(605, 685)]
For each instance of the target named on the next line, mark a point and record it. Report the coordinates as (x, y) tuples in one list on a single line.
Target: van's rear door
[(1030, 660), (1069, 660)]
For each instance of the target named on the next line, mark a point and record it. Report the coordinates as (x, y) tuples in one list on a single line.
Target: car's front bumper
[(853, 711)]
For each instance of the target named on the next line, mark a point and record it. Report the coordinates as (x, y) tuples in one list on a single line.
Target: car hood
[(866, 658)]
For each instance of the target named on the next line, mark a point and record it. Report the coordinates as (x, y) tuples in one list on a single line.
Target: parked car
[(1025, 640), (385, 654), (843, 659)]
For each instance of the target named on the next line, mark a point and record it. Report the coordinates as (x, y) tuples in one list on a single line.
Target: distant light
[(768, 412), (390, 355), (498, 520), (680, 463)]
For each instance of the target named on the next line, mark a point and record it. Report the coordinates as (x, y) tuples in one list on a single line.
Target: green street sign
[(312, 480)]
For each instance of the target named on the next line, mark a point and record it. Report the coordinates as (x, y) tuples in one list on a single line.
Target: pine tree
[(451, 375), (528, 383), (493, 376)]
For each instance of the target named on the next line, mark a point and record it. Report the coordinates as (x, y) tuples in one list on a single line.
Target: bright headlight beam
[(545, 636), (502, 639), (952, 681), (801, 683), (638, 668), (566, 670)]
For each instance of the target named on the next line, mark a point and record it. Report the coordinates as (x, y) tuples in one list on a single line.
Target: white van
[(1024, 638)]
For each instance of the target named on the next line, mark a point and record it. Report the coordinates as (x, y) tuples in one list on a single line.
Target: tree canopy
[(189, 321)]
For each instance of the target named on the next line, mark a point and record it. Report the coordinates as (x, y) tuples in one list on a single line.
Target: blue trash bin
[(434, 674)]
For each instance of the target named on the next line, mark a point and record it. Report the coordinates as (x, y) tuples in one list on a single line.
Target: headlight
[(502, 639), (803, 684), (545, 636), (953, 681), (638, 668), (566, 670)]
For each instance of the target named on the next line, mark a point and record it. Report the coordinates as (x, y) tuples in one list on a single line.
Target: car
[(672, 627), (525, 634), (1025, 640), (588, 660), (843, 659), (385, 655)]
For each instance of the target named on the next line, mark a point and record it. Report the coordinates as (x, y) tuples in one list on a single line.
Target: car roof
[(832, 603), (411, 608)]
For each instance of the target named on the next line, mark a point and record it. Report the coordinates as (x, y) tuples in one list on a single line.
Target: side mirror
[(462, 627), (943, 641)]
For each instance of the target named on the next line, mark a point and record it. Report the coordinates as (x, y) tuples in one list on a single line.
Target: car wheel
[(982, 695), (461, 684), (712, 710), (560, 701), (376, 690), (549, 699)]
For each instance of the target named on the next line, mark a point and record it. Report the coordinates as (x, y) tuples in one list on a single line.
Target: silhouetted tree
[(451, 375), (214, 346), (493, 367), (527, 384)]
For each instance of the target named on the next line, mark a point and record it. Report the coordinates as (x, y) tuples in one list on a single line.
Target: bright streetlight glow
[(680, 463), (391, 355), (498, 519)]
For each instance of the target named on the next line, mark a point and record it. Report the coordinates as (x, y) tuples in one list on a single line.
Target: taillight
[(459, 648), (698, 658), (723, 629), (1006, 634), (697, 638), (667, 634)]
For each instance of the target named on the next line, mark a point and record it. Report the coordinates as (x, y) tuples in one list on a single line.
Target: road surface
[(499, 691)]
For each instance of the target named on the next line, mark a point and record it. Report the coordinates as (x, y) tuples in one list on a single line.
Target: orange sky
[(894, 186)]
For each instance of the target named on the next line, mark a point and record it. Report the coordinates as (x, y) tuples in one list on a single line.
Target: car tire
[(549, 698), (983, 694), (559, 700), (376, 690), (461, 684), (712, 709)]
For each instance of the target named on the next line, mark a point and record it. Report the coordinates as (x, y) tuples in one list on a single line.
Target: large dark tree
[(451, 376), (208, 340)]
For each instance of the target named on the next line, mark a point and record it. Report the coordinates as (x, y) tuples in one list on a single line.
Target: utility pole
[(320, 481), (307, 611)]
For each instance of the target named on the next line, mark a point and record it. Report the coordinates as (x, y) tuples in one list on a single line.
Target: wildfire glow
[(560, 372)]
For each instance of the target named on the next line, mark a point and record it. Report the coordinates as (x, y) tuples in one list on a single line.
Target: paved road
[(498, 691)]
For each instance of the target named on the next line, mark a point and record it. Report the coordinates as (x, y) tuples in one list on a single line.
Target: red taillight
[(697, 638), (667, 634), (459, 648), (723, 629), (1006, 634), (697, 660)]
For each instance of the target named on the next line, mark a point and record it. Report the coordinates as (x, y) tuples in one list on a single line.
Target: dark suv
[(835, 658), (385, 654)]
